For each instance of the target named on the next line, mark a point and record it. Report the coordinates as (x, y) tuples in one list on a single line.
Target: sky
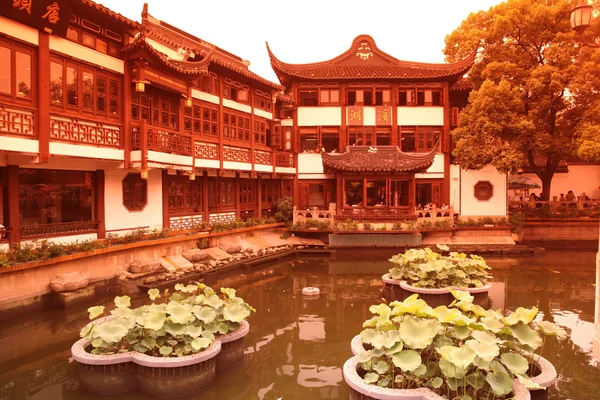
[(311, 30)]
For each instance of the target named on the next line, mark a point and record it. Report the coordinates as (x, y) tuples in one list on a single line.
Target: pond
[(296, 346)]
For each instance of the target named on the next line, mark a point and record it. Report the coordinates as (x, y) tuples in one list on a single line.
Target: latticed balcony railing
[(376, 214), (80, 131), (62, 228), (284, 160), (161, 140), (17, 121)]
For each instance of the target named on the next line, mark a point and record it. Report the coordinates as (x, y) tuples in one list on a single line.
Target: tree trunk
[(546, 177)]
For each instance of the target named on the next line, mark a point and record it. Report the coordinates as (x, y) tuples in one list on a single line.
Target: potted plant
[(409, 350), (165, 349), (433, 275)]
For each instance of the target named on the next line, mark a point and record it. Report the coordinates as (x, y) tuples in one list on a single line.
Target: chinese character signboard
[(50, 16), (355, 116), (383, 115)]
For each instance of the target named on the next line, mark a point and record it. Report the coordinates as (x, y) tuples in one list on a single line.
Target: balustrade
[(161, 141), (75, 130), (376, 214), (16, 121), (263, 157), (205, 150), (238, 154), (284, 160), (64, 228)]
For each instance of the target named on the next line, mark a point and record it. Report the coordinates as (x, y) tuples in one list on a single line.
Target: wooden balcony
[(59, 229), (86, 132), (285, 160), (17, 121), (160, 140)]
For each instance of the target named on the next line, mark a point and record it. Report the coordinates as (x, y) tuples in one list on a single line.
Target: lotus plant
[(428, 269), (461, 351), (175, 325)]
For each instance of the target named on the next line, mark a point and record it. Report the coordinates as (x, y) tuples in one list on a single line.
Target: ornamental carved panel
[(185, 223), (484, 190), (236, 154), (223, 218), (262, 157), (78, 131), (135, 192), (206, 150), (16, 122)]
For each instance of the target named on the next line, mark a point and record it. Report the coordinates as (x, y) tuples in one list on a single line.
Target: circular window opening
[(484, 190), (135, 192)]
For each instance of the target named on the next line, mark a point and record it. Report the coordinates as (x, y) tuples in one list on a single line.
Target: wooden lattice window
[(484, 190), (210, 120), (135, 192)]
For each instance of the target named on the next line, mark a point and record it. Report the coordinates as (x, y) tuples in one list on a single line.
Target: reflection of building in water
[(597, 307)]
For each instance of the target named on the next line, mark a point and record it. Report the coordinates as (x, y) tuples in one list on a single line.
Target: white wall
[(118, 217), (19, 30), (455, 187), (470, 206), (579, 179), (422, 116), (310, 163), (435, 171), (324, 116)]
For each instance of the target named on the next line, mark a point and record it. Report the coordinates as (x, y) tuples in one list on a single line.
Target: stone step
[(217, 253), (173, 263)]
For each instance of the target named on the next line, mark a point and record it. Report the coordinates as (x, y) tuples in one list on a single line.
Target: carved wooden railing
[(56, 229), (376, 214), (79, 131), (555, 205), (315, 213), (435, 214), (206, 150), (16, 121), (284, 160), (263, 157), (237, 154), (161, 140)]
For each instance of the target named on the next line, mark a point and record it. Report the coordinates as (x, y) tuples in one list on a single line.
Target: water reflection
[(297, 344)]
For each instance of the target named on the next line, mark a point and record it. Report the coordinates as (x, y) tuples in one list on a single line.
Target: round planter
[(400, 290), (164, 377), (359, 390), (232, 347), (546, 377)]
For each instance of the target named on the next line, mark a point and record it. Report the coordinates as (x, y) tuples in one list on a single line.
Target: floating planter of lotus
[(169, 348), (409, 350), (433, 275)]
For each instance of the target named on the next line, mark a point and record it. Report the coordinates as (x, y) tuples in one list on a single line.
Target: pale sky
[(311, 30)]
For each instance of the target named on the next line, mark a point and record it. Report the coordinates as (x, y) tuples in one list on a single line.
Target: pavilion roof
[(191, 45), (462, 85), (110, 13), (365, 61), (377, 159)]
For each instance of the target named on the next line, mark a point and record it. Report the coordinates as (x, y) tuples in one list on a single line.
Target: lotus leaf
[(407, 360), (436, 382), (550, 329), (371, 377), (165, 350), (486, 337), (500, 382), (381, 367), (149, 342), (451, 370), (214, 301), (208, 335), (123, 301), (528, 383), (87, 330), (475, 380), (123, 312), (229, 292), (154, 294), (200, 343), (462, 357), (516, 363), (193, 331), (485, 350), (98, 342), (385, 339), (383, 382), (235, 312), (364, 356), (205, 314), (491, 324), (523, 315), (180, 313), (174, 328), (154, 320), (442, 247), (526, 335), (111, 331), (95, 311), (419, 333), (367, 335)]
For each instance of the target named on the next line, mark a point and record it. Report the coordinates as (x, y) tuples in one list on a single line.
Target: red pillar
[(99, 200), (14, 214), (166, 222), (43, 120)]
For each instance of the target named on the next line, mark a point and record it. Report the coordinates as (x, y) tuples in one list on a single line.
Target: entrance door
[(430, 192), (315, 195)]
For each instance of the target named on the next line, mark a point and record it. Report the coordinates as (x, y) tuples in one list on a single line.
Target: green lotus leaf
[(200, 343), (364, 356), (208, 335), (154, 320), (381, 367), (526, 335), (419, 333), (420, 370), (516, 363), (484, 350), (528, 383), (180, 313), (436, 382), (165, 350), (149, 342), (123, 301), (461, 332), (397, 347), (205, 314), (229, 292), (214, 301), (384, 381), (442, 247), (481, 364), (462, 357), (496, 366), (475, 380), (383, 310), (86, 331), (371, 322), (500, 382), (485, 337), (123, 312), (492, 324), (222, 328), (95, 311), (111, 331), (97, 342), (174, 329), (367, 335), (409, 306), (451, 370), (235, 312), (371, 377), (193, 331), (446, 315), (407, 360), (154, 294), (523, 315), (550, 329), (385, 339), (462, 295)]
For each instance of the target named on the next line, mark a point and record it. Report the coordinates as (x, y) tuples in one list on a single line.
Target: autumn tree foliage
[(536, 89)]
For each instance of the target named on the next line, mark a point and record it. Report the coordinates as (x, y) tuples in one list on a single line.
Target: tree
[(532, 94)]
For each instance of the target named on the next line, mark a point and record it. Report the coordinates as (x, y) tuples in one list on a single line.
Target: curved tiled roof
[(462, 85), (141, 47), (377, 159), (111, 13), (364, 60)]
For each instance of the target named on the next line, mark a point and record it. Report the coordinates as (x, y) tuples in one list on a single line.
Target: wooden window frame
[(13, 97), (191, 191), (112, 47), (261, 127), (427, 133), (483, 190), (156, 98), (247, 194), (130, 184), (329, 102)]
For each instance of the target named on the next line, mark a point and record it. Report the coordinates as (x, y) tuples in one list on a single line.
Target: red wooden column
[(259, 197), (43, 120), (126, 113), (339, 193), (14, 213), (99, 199), (394, 141), (205, 216), (166, 221), (343, 129), (220, 121), (236, 194), (446, 145)]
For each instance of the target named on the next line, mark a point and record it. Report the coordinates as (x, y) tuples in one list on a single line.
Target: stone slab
[(217, 253), (271, 239), (250, 243), (305, 241), (177, 261), (69, 299), (472, 240)]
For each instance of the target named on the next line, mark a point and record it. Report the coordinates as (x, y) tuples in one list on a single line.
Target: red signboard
[(383, 115), (355, 116), (50, 16)]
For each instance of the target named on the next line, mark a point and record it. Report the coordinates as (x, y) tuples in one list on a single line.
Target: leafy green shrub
[(442, 224), (501, 221), (462, 351), (397, 226), (312, 223), (382, 228), (425, 225), (487, 221), (324, 225), (367, 226), (283, 210), (428, 269)]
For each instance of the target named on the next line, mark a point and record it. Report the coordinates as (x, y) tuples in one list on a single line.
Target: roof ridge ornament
[(364, 50)]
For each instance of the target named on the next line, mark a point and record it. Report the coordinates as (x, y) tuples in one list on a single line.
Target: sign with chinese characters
[(383, 115), (50, 16), (355, 115)]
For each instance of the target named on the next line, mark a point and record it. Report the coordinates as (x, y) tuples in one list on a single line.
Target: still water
[(296, 345)]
